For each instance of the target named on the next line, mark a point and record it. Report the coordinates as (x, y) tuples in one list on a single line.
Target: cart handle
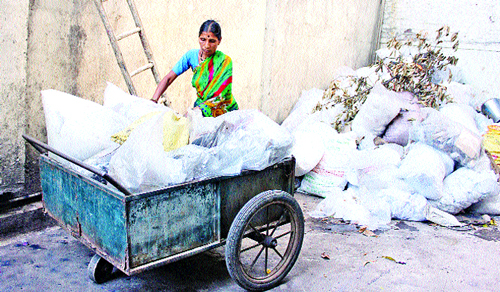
[(40, 146)]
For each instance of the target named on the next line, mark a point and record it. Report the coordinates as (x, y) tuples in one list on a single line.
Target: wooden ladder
[(139, 29)]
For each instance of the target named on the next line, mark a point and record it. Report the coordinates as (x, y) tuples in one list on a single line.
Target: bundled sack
[(309, 145), (464, 187), (304, 107), (438, 131), (330, 173), (398, 130), (129, 106), (77, 127), (424, 169), (376, 168), (462, 114), (489, 205), (379, 109)]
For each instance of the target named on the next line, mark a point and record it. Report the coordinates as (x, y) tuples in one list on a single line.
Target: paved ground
[(411, 256)]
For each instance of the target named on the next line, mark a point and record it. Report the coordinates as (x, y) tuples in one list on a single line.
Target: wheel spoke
[(286, 233), (256, 258), (267, 220), (265, 262), (278, 223), (275, 250), (249, 248)]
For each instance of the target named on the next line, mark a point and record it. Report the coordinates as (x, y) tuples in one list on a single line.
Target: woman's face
[(208, 43)]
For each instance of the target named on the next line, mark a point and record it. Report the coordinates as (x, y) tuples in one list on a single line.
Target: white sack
[(465, 187), (309, 146), (462, 114), (380, 108), (489, 205), (132, 107), (77, 127), (423, 169), (304, 107), (330, 173), (376, 168)]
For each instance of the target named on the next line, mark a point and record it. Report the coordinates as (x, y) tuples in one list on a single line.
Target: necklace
[(201, 57)]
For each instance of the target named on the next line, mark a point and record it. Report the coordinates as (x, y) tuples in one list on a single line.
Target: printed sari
[(212, 80)]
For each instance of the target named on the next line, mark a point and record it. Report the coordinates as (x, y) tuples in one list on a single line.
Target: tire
[(261, 249), (99, 270)]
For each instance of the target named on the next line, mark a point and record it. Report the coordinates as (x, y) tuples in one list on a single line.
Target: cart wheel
[(264, 241), (99, 270)]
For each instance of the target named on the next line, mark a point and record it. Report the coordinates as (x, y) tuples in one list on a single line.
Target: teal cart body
[(139, 231)]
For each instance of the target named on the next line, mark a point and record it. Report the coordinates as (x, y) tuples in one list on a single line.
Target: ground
[(336, 256)]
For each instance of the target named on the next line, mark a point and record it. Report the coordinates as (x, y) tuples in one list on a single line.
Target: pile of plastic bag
[(146, 146), (399, 160)]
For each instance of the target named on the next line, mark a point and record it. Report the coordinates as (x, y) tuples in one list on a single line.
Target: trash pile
[(399, 139), (146, 146)]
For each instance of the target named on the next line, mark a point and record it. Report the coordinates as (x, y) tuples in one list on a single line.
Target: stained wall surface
[(278, 48)]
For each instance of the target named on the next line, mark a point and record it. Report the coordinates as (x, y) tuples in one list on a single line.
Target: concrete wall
[(279, 48), (478, 27), (13, 45)]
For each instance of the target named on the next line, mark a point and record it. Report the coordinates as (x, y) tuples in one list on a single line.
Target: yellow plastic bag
[(175, 130)]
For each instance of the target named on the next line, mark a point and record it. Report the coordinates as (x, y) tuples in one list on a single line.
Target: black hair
[(211, 26)]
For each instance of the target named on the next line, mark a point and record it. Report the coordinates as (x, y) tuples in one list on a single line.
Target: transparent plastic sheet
[(464, 187), (436, 130), (141, 163), (243, 140)]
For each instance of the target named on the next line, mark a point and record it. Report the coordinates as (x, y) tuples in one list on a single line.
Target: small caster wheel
[(99, 270)]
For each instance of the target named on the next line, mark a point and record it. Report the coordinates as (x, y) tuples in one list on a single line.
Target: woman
[(213, 73)]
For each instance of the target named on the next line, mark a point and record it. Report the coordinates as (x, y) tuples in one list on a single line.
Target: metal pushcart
[(253, 214)]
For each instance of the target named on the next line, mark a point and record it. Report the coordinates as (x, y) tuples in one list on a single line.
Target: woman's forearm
[(163, 85)]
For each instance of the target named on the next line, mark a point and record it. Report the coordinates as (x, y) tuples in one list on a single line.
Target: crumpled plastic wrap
[(239, 140)]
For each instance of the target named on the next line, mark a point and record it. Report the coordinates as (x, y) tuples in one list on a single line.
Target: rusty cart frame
[(254, 214)]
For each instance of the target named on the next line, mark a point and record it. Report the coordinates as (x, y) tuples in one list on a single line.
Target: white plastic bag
[(424, 170), (464, 187), (132, 107), (448, 136), (380, 108), (77, 127), (462, 114), (309, 145)]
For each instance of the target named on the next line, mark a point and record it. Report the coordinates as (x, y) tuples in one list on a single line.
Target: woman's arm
[(163, 85)]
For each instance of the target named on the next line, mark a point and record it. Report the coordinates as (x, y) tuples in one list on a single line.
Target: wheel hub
[(270, 241)]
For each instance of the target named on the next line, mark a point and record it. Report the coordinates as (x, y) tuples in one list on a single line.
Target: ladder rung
[(128, 33), (141, 69)]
